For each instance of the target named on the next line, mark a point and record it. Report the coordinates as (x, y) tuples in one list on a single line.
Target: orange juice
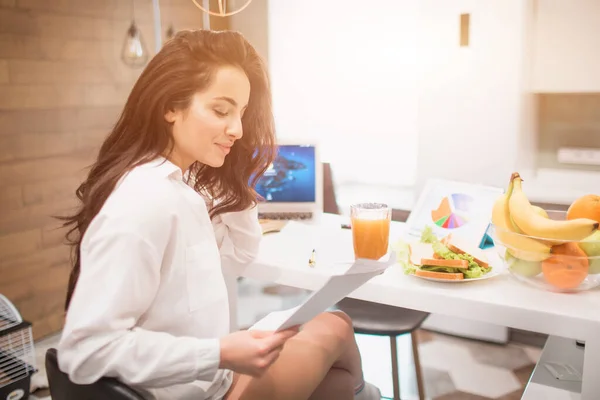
[(370, 237)]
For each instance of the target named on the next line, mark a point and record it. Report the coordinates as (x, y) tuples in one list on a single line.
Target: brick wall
[(567, 120), (62, 86)]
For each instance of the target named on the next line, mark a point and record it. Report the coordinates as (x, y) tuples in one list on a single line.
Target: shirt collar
[(165, 167)]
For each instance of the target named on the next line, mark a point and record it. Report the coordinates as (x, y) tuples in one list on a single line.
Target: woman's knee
[(341, 314), (338, 323)]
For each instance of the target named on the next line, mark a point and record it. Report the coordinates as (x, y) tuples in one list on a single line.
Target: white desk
[(500, 300)]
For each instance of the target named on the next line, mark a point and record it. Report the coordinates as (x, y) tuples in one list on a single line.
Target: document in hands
[(334, 290)]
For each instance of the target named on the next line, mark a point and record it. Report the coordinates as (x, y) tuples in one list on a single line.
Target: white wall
[(346, 73), (471, 99), (567, 42), (252, 22)]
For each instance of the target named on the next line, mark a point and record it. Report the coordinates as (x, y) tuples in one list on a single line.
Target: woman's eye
[(220, 113)]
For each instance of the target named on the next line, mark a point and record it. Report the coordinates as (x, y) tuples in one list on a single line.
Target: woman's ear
[(171, 116)]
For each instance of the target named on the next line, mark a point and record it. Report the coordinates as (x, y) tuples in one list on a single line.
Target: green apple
[(522, 267), (591, 246)]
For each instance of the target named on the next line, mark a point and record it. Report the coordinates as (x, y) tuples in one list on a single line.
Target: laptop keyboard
[(286, 215)]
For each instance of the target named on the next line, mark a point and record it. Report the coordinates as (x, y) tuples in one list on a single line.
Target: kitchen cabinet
[(566, 46)]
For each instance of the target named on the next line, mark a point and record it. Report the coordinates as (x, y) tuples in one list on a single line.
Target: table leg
[(590, 385)]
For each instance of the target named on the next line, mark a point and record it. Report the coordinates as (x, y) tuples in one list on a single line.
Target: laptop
[(292, 186)]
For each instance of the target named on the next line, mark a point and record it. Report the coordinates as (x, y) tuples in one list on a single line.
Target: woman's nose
[(235, 130)]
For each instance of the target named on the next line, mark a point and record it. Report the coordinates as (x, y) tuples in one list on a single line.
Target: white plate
[(494, 260)]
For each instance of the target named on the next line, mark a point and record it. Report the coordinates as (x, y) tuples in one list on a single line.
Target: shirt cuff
[(208, 358)]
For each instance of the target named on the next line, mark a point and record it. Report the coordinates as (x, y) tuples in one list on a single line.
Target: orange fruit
[(567, 267), (587, 206)]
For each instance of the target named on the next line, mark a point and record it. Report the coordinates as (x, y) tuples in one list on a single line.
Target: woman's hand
[(252, 352)]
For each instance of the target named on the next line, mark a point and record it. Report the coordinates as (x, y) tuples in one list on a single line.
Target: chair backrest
[(61, 387), (400, 215)]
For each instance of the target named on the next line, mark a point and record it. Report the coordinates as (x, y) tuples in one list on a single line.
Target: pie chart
[(452, 211)]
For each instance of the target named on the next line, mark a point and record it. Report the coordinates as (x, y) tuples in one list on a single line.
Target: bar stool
[(382, 320)]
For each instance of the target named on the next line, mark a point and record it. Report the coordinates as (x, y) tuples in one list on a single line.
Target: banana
[(544, 214), (540, 211), (533, 224), (518, 245)]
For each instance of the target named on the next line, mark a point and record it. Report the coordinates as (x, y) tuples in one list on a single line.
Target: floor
[(453, 368)]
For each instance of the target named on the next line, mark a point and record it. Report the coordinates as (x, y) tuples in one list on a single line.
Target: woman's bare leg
[(338, 384), (350, 359), (324, 343)]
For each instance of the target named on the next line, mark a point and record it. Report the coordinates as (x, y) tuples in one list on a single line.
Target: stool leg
[(395, 372), (418, 371)]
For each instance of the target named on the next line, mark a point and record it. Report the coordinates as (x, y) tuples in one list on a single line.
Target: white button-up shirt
[(151, 302)]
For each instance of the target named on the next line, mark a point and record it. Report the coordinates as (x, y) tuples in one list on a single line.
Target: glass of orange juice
[(370, 229)]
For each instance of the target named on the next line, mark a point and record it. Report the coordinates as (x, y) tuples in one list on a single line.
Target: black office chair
[(379, 319), (61, 387)]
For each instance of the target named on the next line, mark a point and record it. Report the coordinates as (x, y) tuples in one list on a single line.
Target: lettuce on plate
[(402, 250)]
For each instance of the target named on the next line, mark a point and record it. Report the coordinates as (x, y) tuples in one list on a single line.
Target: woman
[(167, 200)]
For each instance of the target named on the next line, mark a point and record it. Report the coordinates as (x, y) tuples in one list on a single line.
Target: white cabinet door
[(470, 98), (567, 46)]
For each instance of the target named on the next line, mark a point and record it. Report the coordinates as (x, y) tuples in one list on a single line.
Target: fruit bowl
[(549, 263)]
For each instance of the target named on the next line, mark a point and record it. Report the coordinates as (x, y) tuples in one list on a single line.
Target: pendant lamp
[(134, 52), (222, 12)]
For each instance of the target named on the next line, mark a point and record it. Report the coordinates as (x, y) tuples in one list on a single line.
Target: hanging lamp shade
[(222, 9), (134, 52)]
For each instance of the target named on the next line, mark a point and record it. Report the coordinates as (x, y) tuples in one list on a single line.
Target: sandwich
[(450, 258)]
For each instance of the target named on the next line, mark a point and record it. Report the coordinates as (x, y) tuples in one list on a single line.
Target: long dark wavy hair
[(185, 65)]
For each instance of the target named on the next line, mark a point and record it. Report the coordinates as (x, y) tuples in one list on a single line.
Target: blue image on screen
[(291, 178)]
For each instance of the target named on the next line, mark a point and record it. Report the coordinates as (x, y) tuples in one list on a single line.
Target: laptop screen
[(292, 176)]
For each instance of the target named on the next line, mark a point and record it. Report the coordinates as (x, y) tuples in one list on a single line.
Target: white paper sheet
[(334, 290)]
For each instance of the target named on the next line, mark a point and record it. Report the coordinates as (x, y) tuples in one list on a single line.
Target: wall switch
[(579, 155)]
